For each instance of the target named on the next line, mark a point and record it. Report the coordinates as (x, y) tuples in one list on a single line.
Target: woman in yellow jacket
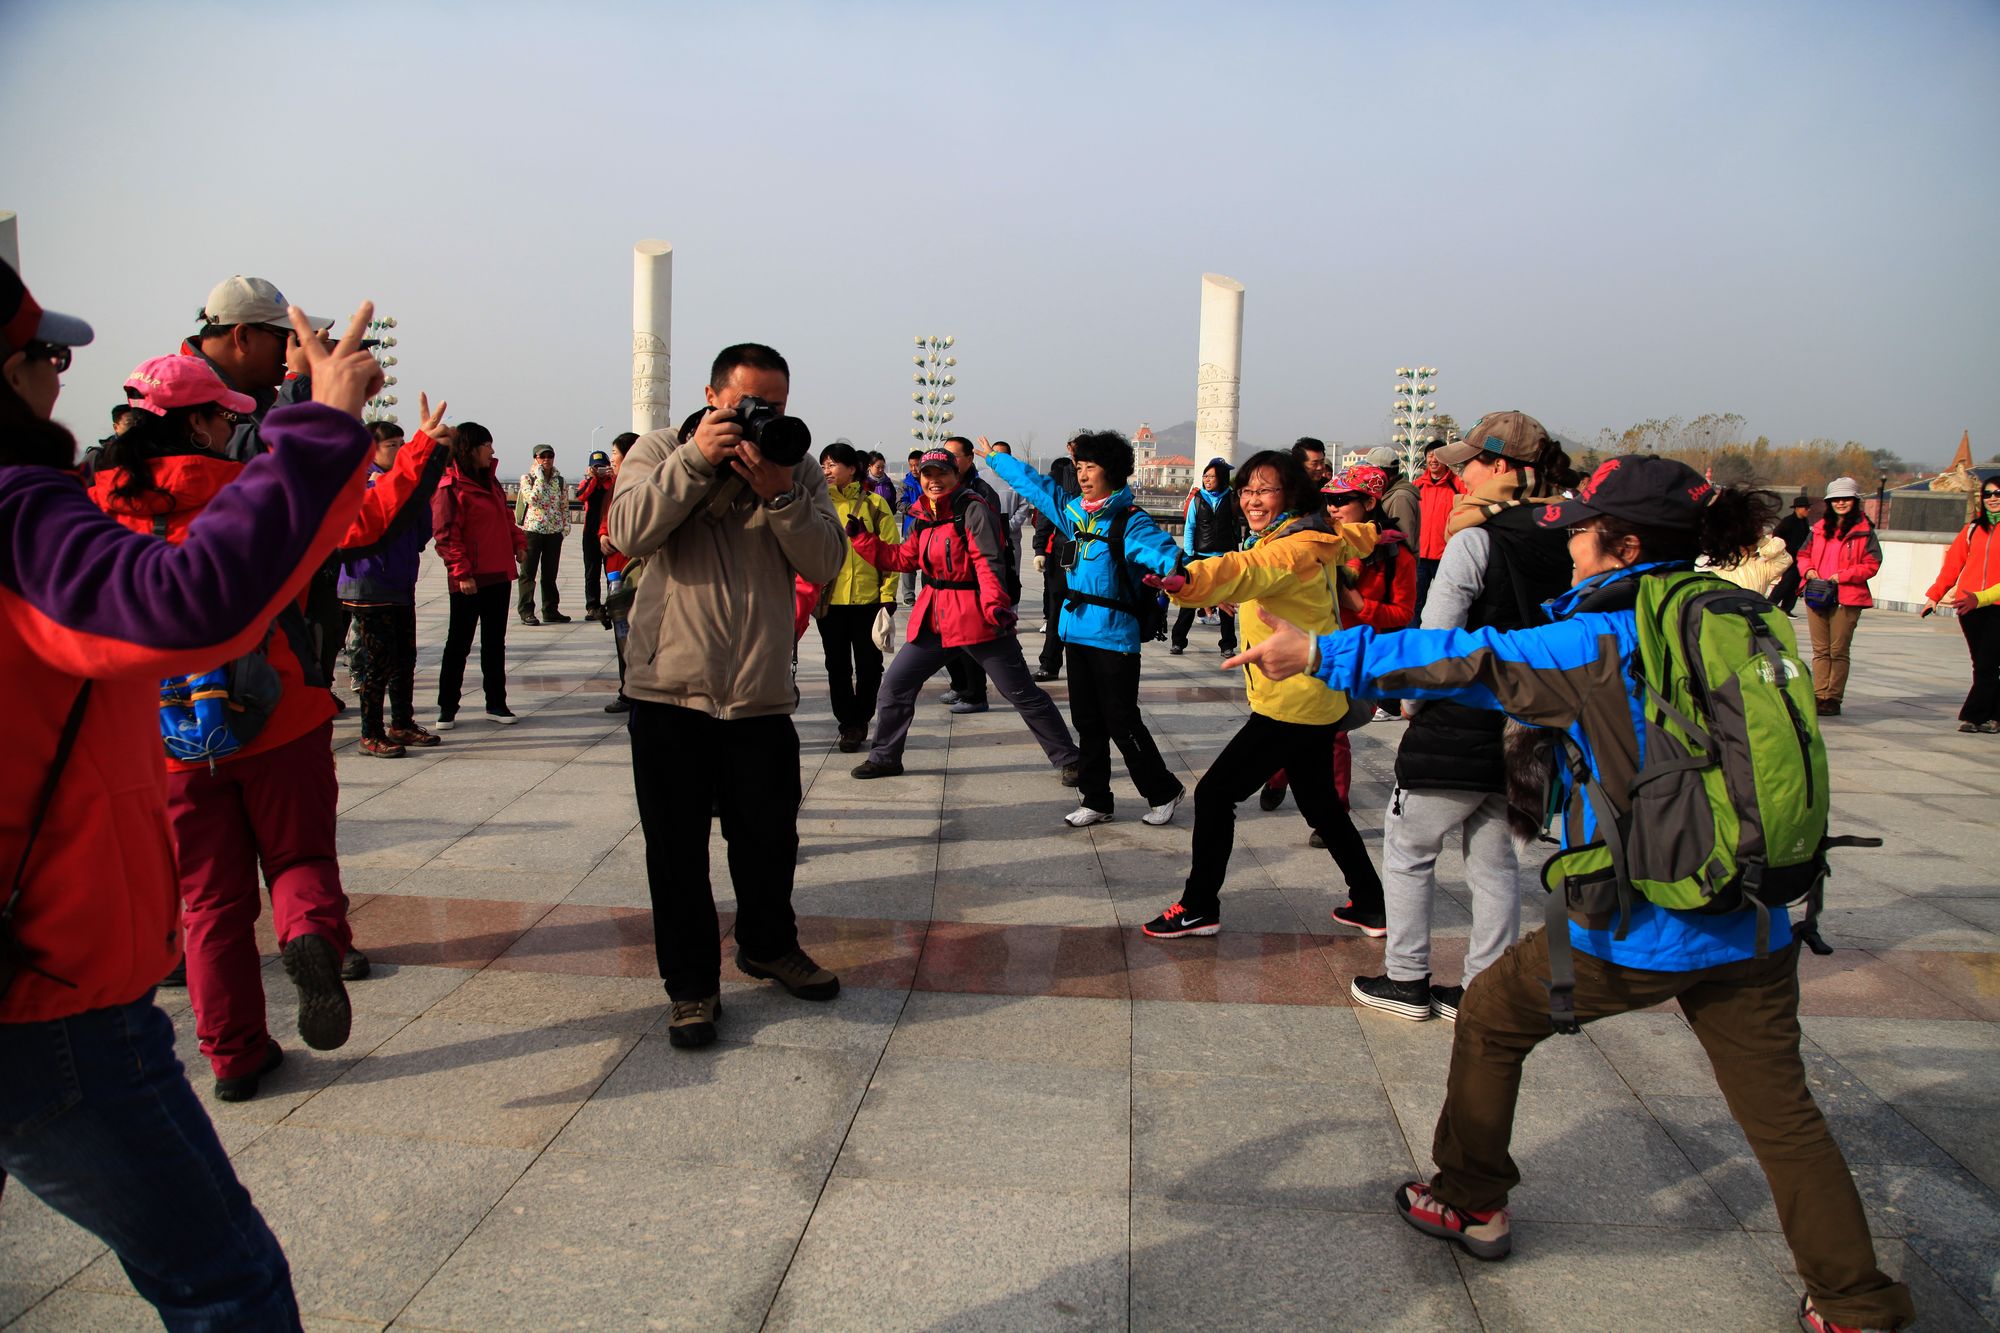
[(858, 594), (1289, 566)]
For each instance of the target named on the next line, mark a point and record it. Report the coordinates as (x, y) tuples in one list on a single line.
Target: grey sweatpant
[(919, 660), (1413, 833)]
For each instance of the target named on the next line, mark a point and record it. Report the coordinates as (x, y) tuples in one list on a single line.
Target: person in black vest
[(1214, 525), (1498, 567), (1053, 554), (1792, 530)]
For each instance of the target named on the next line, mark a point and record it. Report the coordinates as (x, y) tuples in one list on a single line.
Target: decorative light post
[(377, 408), (1415, 417), (933, 395)]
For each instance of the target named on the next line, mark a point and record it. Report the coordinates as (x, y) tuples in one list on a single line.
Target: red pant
[(1343, 770), (276, 809)]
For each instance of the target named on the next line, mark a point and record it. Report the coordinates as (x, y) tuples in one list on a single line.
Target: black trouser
[(1426, 571), (1982, 639), (853, 662), (326, 618), (593, 567), (968, 678), (1104, 705), (486, 612), (1786, 595), (544, 553), (1261, 748), (1055, 587), (685, 764), (388, 665), (1185, 621)]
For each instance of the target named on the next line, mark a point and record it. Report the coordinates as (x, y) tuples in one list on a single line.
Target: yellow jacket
[(1291, 573), (859, 583)]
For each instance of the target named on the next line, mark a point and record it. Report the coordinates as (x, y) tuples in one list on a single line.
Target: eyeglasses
[(1262, 490), (56, 354)]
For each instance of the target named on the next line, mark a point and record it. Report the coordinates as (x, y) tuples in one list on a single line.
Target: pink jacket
[(1850, 561)]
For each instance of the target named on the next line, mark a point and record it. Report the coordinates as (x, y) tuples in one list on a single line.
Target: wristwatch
[(783, 501)]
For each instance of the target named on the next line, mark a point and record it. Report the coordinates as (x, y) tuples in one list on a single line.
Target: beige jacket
[(711, 623)]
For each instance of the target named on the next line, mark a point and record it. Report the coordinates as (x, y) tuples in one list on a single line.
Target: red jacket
[(473, 528), (1849, 561), (1434, 501), (404, 483), (83, 598), (188, 484), (1387, 588), (949, 554), (1971, 565)]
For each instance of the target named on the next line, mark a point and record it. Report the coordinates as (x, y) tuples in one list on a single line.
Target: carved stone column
[(1221, 369), (652, 335)]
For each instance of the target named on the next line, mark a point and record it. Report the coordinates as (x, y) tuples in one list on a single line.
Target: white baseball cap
[(241, 300)]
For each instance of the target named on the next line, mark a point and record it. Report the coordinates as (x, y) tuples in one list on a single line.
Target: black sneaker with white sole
[(1177, 922), (1372, 924), (1404, 999), (1445, 1001)]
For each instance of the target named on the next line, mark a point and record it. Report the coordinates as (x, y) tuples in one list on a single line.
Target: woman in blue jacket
[(1634, 515), (1117, 544)]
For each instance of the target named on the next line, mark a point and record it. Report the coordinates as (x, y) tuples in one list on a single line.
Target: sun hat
[(1843, 488), (167, 382)]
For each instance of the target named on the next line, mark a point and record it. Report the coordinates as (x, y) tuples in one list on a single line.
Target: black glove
[(855, 527)]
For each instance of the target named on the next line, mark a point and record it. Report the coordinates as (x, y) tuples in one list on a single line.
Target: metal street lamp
[(1415, 419), (932, 396)]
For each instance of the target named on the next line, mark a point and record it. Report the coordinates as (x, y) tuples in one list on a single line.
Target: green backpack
[(1729, 811)]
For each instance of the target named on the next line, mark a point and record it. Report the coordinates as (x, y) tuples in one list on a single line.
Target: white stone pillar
[(10, 241), (1220, 371), (652, 335)]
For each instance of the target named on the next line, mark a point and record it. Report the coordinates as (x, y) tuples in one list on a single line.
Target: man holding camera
[(723, 528)]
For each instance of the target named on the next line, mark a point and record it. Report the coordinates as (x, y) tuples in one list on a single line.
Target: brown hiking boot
[(692, 1022), (381, 749), (795, 972), (412, 734)]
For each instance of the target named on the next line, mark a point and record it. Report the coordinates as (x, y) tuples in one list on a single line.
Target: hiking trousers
[(1413, 833), (919, 660), (1746, 1016), (1184, 622), (544, 555), (273, 811), (386, 666), (1982, 639), (853, 662), (1252, 755), (1104, 705), (483, 613), (1832, 641)]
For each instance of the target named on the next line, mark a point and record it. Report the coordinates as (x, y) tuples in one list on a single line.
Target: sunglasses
[(1989, 495), (55, 354)]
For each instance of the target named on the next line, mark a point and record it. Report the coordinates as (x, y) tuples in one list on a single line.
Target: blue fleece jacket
[(1147, 551), (1555, 675)]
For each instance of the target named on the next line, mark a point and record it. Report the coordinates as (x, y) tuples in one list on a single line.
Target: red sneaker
[(1812, 1321), (1482, 1235)]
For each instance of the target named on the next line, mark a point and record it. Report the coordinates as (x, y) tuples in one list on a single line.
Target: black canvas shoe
[(1445, 1001), (870, 768), (244, 1086), (1404, 999), (324, 1013), (1270, 798), (1177, 921), (557, 618)]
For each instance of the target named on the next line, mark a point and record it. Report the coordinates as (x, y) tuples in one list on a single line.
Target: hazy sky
[(1597, 213)]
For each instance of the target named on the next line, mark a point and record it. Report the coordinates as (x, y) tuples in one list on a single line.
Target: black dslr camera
[(782, 439)]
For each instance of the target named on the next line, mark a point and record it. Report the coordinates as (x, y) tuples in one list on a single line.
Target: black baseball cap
[(1645, 489)]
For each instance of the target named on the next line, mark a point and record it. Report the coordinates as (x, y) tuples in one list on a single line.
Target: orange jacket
[(1971, 565)]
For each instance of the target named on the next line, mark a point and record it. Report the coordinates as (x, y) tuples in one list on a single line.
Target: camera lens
[(784, 440)]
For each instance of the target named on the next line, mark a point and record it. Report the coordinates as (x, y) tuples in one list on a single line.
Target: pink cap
[(1360, 479), (182, 381)]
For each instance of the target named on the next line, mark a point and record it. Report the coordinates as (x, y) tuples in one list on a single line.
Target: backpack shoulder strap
[(44, 798)]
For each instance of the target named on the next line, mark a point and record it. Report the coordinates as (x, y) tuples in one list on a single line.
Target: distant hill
[(1179, 439)]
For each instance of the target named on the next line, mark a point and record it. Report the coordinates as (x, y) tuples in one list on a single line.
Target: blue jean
[(97, 1118)]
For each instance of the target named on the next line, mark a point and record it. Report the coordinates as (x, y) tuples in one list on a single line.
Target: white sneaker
[(443, 724), (1083, 817), (1384, 715), (1163, 813)]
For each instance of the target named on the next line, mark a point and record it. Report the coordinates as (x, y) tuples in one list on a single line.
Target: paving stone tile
[(1023, 904), (965, 1122), (408, 989), (779, 1108), (1236, 1139), (513, 998), (1266, 1267), (1967, 1267), (470, 1082), (878, 954), (1965, 1133), (302, 1075), (1299, 1043), (1411, 1052), (1078, 961), (1654, 1052), (437, 878), (98, 1311), (1015, 1029), (858, 1021), (1939, 1307), (40, 1249), (895, 1255), (600, 1242), (1905, 1061), (1235, 966), (595, 941), (1854, 982), (448, 932), (1588, 1157), (1971, 979), (1571, 1276)]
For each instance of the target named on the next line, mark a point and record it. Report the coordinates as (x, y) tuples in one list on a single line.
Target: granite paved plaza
[(1020, 1113)]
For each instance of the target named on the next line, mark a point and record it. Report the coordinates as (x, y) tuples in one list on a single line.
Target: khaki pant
[(1832, 636), (1746, 1016)]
